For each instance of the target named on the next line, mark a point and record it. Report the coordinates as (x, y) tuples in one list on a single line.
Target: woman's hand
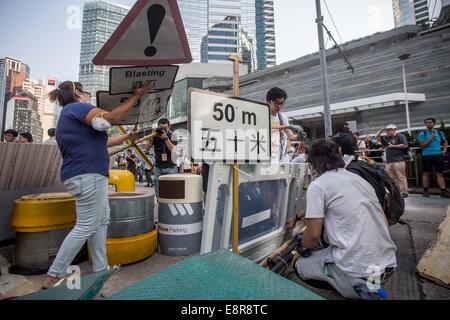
[(132, 135), (144, 89)]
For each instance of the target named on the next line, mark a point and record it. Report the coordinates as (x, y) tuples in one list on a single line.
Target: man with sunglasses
[(431, 141), (281, 129)]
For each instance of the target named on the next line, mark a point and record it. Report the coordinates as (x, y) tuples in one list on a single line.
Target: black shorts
[(436, 162)]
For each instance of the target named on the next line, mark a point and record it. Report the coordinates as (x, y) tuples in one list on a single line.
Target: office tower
[(217, 29), (403, 12), (100, 20), (265, 34), (22, 115), (13, 73), (408, 12)]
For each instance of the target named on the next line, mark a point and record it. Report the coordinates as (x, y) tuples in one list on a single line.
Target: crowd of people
[(347, 241), (388, 147), (347, 231), (12, 136)]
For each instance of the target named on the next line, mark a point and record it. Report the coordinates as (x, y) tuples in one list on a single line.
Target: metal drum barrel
[(132, 214), (180, 215), (41, 222), (131, 232)]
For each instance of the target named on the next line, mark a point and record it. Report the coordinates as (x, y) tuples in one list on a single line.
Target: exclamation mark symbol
[(155, 16)]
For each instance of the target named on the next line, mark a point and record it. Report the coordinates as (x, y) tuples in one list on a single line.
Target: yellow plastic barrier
[(44, 212), (131, 250), (123, 180)]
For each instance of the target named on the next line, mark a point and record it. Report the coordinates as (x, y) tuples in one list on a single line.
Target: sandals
[(52, 282)]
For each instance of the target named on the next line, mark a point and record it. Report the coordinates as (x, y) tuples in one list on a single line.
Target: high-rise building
[(38, 91), (408, 12), (48, 111), (217, 29), (22, 115), (13, 73), (421, 11), (100, 20), (403, 12), (265, 34), (231, 30), (195, 20)]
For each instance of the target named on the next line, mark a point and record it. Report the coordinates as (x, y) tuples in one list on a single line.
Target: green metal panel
[(91, 285), (220, 275)]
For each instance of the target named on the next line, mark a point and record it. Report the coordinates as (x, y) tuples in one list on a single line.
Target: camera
[(296, 129), (160, 131), (302, 136)]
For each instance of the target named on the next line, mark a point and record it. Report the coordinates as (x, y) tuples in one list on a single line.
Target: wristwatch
[(304, 252)]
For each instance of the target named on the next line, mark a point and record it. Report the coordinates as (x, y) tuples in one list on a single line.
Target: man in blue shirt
[(431, 141)]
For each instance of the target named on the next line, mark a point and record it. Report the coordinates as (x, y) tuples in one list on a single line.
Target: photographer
[(161, 141), (281, 129)]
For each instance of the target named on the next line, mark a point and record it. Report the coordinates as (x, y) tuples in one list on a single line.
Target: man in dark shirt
[(164, 148), (131, 162), (395, 144), (375, 149)]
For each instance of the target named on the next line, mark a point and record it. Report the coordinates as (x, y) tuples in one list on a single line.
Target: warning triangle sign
[(151, 34)]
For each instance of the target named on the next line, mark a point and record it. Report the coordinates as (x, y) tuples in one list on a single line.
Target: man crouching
[(361, 254)]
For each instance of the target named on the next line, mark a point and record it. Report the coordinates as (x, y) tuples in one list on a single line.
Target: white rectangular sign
[(123, 80), (150, 107), (225, 128)]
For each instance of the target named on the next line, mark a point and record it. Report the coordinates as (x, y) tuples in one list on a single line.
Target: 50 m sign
[(226, 128)]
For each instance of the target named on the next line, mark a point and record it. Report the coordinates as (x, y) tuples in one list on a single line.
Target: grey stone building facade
[(372, 96)]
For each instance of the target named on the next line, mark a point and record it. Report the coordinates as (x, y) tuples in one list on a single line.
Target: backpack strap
[(441, 135), (281, 136)]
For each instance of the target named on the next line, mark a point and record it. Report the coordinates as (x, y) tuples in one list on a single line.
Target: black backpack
[(388, 193)]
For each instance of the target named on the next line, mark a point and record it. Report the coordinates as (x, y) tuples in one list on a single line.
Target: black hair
[(324, 156), (28, 136), (65, 93), (276, 93), (14, 133), (432, 119), (164, 121), (129, 150), (347, 143), (51, 132), (357, 133)]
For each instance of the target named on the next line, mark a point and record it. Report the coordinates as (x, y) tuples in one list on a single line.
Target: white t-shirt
[(361, 145), (278, 139), (50, 141), (354, 222)]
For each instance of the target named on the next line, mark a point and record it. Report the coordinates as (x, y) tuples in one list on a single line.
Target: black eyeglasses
[(86, 93)]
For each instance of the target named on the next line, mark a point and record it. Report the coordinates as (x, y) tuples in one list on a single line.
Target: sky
[(46, 34)]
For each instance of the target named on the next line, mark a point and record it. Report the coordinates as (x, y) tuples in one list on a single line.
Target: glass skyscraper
[(265, 34), (408, 12), (100, 20), (403, 12), (195, 20), (217, 29)]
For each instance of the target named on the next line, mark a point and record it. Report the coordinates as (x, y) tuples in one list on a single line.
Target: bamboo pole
[(236, 63), (137, 149)]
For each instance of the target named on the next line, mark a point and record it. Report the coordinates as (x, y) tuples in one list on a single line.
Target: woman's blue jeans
[(91, 199)]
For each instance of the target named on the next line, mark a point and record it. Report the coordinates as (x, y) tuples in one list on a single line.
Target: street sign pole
[(323, 65), (236, 63)]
